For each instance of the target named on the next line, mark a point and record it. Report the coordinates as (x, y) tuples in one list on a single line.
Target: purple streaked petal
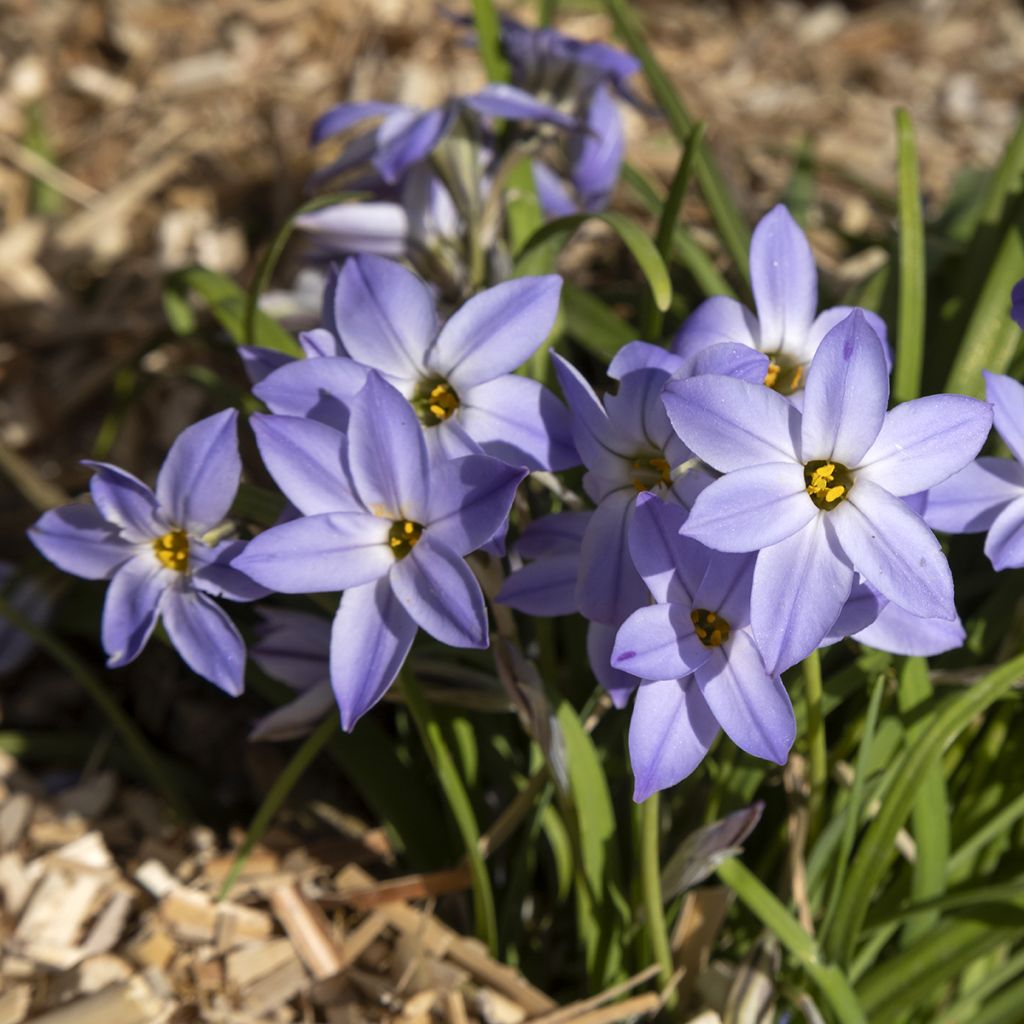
[(318, 389), (544, 588), (132, 606), (671, 730), (320, 343), (305, 459), (370, 639), (199, 478), (618, 685), (846, 394), (750, 704), (716, 321), (926, 441), (385, 315), (730, 359), (345, 115), (671, 566), (406, 137), (635, 412), (784, 280), (77, 539), (892, 548), (207, 640), (520, 421), (387, 454), (297, 718), (470, 499), (380, 228), (259, 362), (642, 355), (732, 424), (595, 152), (800, 587), (319, 554), (558, 534), (1007, 398), (725, 587), (1004, 544), (897, 631), (591, 429), (829, 318), (658, 642), (508, 101), (969, 501), (436, 587), (752, 508), (496, 331), (213, 573), (125, 501), (292, 647)]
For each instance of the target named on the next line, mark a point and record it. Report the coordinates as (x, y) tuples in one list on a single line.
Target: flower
[(988, 494), (818, 493), (381, 523), (458, 379), (694, 652), (785, 285), (160, 551), (1017, 304)]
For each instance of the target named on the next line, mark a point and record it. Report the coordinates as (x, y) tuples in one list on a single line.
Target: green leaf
[(488, 32), (253, 504), (912, 270), (593, 324)]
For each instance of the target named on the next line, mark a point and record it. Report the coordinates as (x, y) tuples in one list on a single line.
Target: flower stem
[(650, 871), (815, 742)]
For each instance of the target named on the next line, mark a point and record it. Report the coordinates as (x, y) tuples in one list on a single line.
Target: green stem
[(815, 742), (650, 870)]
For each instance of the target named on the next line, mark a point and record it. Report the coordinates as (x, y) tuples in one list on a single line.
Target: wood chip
[(14, 1003), (310, 931)]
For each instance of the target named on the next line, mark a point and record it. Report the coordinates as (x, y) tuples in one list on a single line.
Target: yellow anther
[(782, 375), (711, 616), (798, 376), (827, 483), (651, 471), (835, 493), (715, 640), (711, 629), (772, 375), (434, 402), (404, 536), (172, 550)]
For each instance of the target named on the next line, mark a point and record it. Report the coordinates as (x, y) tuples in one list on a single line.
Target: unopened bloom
[(819, 493), (457, 377), (381, 523), (785, 284), (159, 551), (695, 655)]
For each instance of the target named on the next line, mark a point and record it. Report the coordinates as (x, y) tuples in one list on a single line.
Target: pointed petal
[(406, 137), (199, 478), (470, 499), (380, 228), (800, 587), (298, 717), (77, 539), (385, 315), (750, 704), (591, 429), (829, 318), (292, 647), (259, 362), (863, 606), (370, 640), (969, 501), (125, 501), (319, 554), (1007, 398), (520, 421), (619, 686), (716, 321), (658, 642), (846, 394), (206, 638), (732, 424), (731, 360), (436, 587), (897, 631), (213, 573), (891, 547), (642, 355), (595, 152), (925, 441), (671, 730), (1004, 544), (752, 508), (508, 101), (496, 331), (671, 566), (345, 115), (321, 343), (560, 533), (784, 280), (305, 459), (319, 389), (726, 587), (449, 440), (544, 588), (636, 413), (132, 606)]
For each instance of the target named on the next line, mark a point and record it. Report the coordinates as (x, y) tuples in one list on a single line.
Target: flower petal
[(658, 642), (132, 606), (544, 588), (800, 587), (897, 631), (1007, 398), (750, 704), (199, 478), (206, 638), (595, 152), (298, 717), (591, 429), (969, 501), (1004, 544), (318, 389), (829, 318), (892, 548), (292, 647), (259, 362), (671, 730), (125, 501), (345, 115), (380, 228), (319, 554), (752, 508), (716, 321), (642, 355), (508, 101), (784, 280), (671, 566), (732, 424), (370, 639), (730, 360), (725, 588), (618, 685), (846, 394), (636, 413), (406, 137), (213, 573), (77, 539), (436, 587), (496, 331), (926, 441)]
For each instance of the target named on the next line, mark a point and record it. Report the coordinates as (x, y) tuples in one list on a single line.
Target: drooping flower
[(382, 524), (818, 493), (694, 653), (160, 551), (988, 495), (785, 285), (458, 379)]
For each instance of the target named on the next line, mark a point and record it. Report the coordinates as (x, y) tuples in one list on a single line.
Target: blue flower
[(819, 493), (159, 551), (381, 523)]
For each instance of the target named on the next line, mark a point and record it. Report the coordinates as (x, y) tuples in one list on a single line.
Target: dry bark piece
[(309, 930)]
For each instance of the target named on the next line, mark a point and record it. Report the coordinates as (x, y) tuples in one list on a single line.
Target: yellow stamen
[(827, 483), (651, 472), (772, 375), (434, 402), (703, 621), (403, 537), (172, 550)]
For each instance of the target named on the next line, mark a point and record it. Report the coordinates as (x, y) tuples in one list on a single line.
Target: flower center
[(434, 402), (650, 471), (711, 629), (172, 550), (828, 483), (404, 536), (781, 376)]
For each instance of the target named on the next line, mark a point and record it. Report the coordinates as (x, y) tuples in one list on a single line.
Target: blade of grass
[(817, 752), (654, 904), (593, 324), (488, 31)]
